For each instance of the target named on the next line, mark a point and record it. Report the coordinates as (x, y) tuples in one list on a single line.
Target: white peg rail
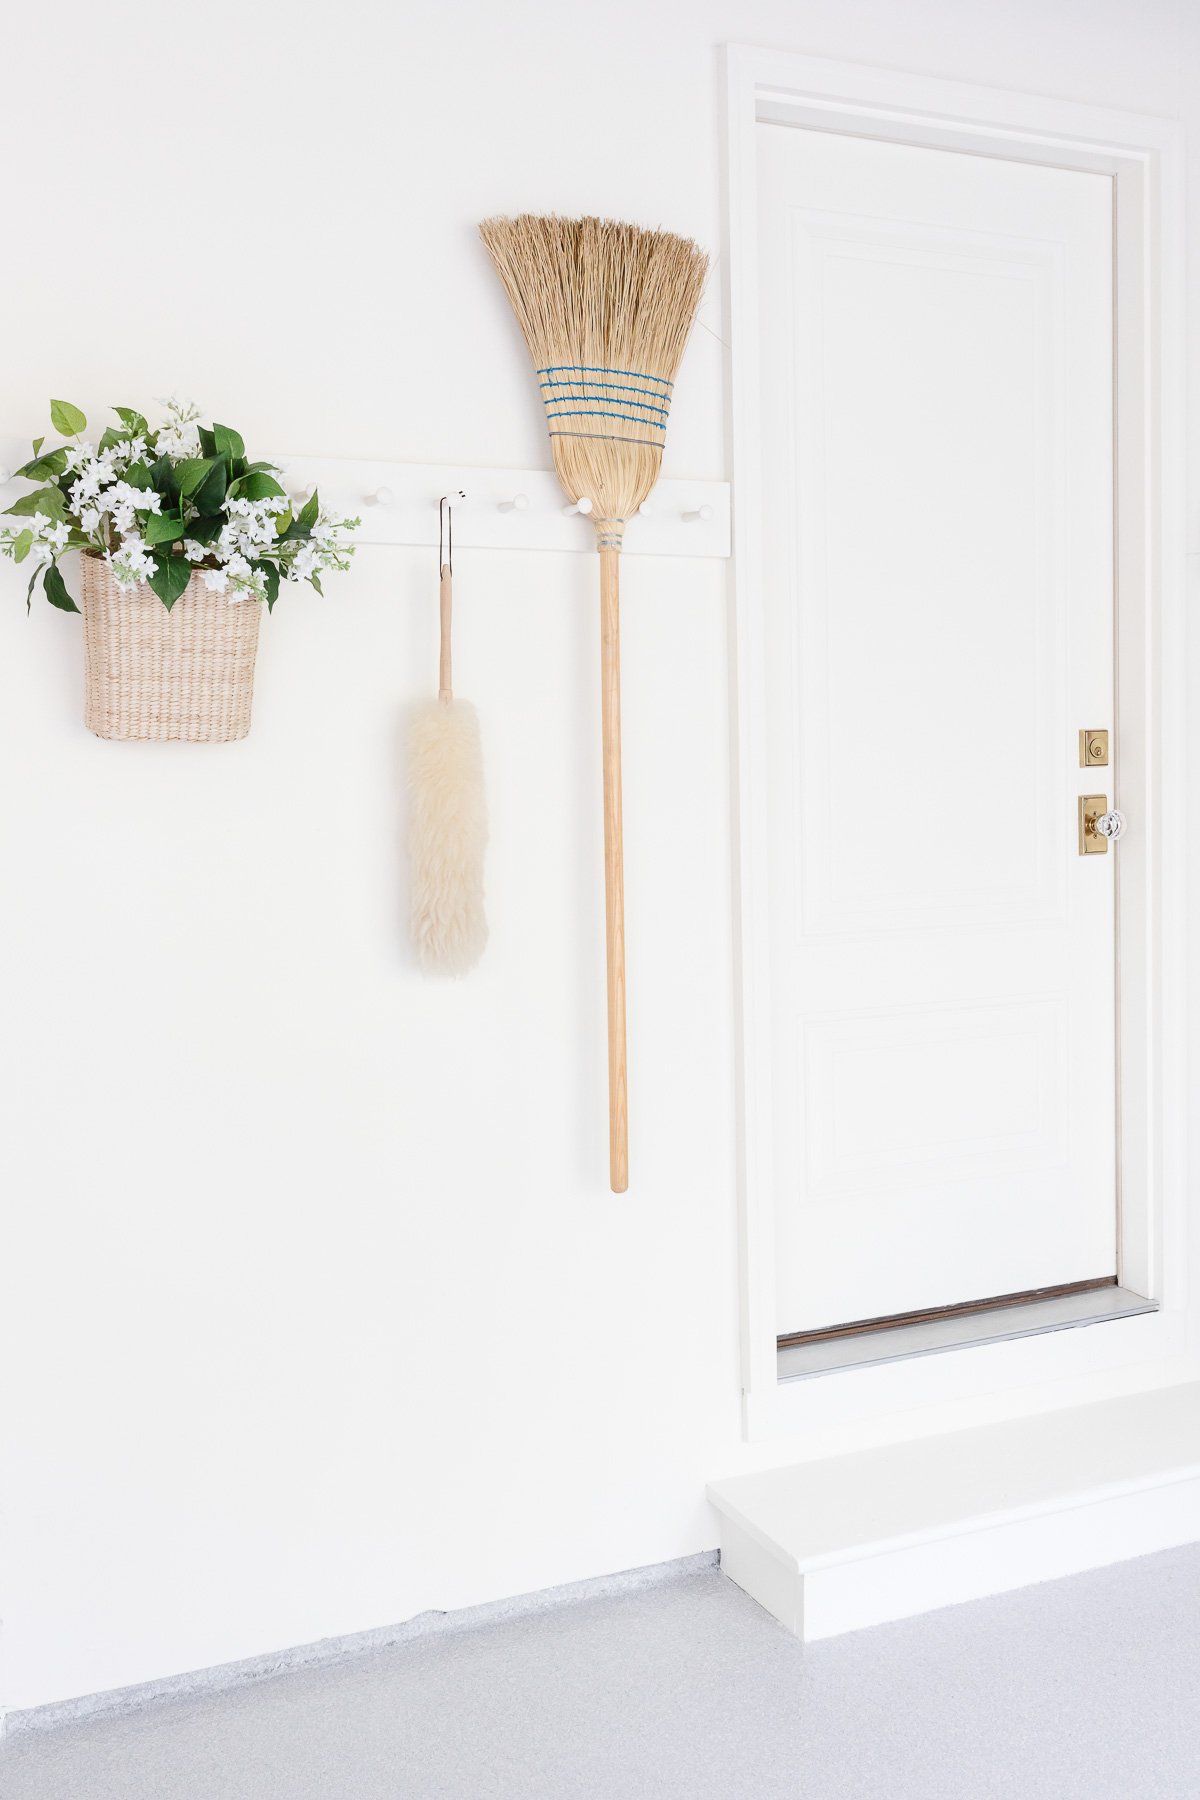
[(503, 509), (506, 509)]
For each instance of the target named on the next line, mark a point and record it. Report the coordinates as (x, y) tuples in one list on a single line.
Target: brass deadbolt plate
[(1091, 808), (1093, 749)]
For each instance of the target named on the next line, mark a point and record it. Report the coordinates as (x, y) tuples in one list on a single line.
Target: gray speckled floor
[(1085, 1689)]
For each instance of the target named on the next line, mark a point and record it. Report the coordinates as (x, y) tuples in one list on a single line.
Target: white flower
[(249, 528), (44, 539), (124, 503), (304, 563), (327, 548), (245, 583), (254, 589), (87, 486), (180, 412), (53, 532), (193, 551), (180, 435), (179, 441), (129, 450), (49, 539), (107, 462), (141, 499), (215, 580), (130, 564)]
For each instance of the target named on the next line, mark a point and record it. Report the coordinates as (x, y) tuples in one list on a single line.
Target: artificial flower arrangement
[(158, 505), (165, 516)]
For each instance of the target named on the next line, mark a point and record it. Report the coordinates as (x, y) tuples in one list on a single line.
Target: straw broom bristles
[(606, 310), (593, 296)]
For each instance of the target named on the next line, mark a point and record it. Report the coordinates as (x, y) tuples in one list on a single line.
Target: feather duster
[(447, 835), (447, 832)]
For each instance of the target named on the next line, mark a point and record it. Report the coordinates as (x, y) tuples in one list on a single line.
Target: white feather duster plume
[(447, 835)]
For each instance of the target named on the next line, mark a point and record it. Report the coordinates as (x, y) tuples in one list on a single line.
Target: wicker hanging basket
[(183, 676)]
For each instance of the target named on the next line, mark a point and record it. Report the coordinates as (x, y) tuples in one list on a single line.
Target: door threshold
[(820, 1353)]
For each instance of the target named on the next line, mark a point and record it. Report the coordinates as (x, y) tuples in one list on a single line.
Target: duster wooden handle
[(445, 685), (614, 869)]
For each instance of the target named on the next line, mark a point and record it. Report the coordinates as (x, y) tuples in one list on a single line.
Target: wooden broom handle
[(614, 869), (445, 686)]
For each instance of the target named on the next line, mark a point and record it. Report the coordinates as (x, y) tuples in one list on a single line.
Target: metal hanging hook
[(446, 528)]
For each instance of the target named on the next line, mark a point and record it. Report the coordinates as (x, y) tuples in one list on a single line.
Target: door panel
[(937, 382)]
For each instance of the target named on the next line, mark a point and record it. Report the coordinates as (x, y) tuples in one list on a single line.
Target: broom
[(606, 310), (447, 831)]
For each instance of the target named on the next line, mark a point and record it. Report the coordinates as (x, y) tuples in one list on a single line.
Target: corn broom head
[(606, 310)]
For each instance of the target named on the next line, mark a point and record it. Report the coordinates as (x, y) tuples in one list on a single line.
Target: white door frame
[(1144, 155)]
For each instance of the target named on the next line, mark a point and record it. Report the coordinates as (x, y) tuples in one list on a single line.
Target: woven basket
[(183, 676)]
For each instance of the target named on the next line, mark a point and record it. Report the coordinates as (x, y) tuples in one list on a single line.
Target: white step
[(830, 1546)]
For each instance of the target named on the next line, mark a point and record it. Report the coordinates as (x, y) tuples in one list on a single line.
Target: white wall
[(316, 1308)]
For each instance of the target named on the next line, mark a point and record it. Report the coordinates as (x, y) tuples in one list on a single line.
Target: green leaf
[(209, 495), (171, 575), (133, 422), (68, 419), (29, 592), (191, 472), (208, 442), (227, 442), (37, 445), (308, 513), (46, 500), (110, 436), (161, 528), (56, 590), (22, 544), (205, 531), (316, 582), (162, 474), (252, 468), (44, 468), (270, 573), (259, 486), (138, 475), (78, 540)]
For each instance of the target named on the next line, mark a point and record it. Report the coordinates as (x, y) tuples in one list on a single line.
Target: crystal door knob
[(1099, 824)]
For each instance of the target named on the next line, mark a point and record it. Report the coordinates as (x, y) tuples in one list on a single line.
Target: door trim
[(1144, 155)]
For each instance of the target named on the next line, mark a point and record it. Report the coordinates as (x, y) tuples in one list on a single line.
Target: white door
[(937, 367)]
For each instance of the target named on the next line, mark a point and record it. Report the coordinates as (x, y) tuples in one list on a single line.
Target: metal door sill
[(859, 1350)]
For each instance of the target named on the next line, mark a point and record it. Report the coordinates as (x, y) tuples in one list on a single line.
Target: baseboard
[(226, 1676)]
